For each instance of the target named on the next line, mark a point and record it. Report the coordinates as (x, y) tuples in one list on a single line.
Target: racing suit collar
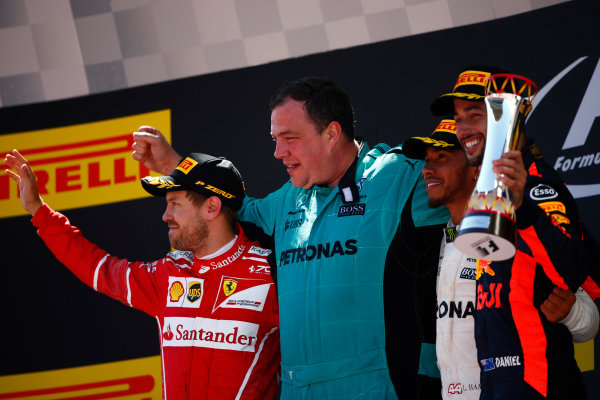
[(347, 186)]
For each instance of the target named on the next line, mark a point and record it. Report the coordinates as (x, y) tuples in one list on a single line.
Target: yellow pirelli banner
[(81, 165), (123, 380)]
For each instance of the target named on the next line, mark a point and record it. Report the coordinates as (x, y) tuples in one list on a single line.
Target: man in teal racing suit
[(348, 215)]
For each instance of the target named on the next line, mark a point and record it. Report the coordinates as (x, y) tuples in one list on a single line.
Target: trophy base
[(486, 236)]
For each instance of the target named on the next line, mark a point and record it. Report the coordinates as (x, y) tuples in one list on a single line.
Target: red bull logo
[(489, 298)]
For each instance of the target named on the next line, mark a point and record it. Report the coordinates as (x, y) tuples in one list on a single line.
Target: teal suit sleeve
[(263, 212)]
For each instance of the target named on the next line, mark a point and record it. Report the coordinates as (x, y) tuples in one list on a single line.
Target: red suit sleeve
[(133, 283), (558, 249)]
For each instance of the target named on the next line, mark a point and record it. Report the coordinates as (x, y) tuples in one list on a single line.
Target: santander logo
[(210, 333), (168, 335)]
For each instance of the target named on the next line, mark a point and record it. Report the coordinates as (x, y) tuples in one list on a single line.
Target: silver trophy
[(488, 230)]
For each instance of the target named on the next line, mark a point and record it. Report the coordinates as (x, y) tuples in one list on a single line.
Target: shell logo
[(176, 291)]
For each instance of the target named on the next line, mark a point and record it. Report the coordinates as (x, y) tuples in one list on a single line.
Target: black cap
[(443, 137), (204, 174), (470, 85)]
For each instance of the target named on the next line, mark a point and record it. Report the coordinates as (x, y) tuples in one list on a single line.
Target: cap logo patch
[(478, 78), (434, 142), (447, 125), (215, 190), (160, 183), (186, 165)]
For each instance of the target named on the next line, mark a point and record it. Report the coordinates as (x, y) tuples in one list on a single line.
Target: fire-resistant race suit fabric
[(546, 188), (455, 342), (330, 270), (521, 353), (218, 317)]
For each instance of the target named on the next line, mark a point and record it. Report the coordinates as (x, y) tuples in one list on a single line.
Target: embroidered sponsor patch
[(301, 200), (259, 251), (185, 292), (249, 294), (500, 362), (294, 223), (194, 291), (542, 192), (260, 269), (553, 206), (352, 209), (478, 78), (455, 388), (450, 234), (488, 364), (210, 333), (186, 165), (468, 273)]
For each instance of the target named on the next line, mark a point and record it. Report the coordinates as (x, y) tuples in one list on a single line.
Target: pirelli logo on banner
[(139, 378), (81, 165)]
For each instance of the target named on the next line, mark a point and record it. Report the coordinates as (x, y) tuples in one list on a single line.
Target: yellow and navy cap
[(470, 85), (443, 137), (204, 174)]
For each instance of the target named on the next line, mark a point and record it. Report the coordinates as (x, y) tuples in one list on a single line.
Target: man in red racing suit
[(217, 313)]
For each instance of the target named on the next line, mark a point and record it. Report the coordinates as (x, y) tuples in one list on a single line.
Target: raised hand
[(22, 173), (152, 149)]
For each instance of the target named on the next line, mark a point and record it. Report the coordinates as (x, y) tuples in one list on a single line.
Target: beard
[(476, 159), (437, 202), (191, 238), (454, 188)]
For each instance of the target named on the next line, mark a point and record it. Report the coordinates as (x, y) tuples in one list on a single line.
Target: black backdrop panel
[(53, 321)]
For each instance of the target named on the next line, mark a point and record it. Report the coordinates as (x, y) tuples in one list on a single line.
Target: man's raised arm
[(25, 178), (152, 149)]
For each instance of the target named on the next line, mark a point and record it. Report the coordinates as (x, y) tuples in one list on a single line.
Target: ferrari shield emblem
[(229, 286)]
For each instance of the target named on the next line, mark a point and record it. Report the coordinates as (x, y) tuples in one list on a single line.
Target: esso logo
[(542, 192)]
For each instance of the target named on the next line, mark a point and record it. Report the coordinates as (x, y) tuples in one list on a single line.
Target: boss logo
[(354, 209), (468, 273)]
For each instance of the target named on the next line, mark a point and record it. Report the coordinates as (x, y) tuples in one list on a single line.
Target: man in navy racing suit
[(523, 353)]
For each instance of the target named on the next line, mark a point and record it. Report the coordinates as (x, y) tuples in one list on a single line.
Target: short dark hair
[(197, 199), (323, 99)]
